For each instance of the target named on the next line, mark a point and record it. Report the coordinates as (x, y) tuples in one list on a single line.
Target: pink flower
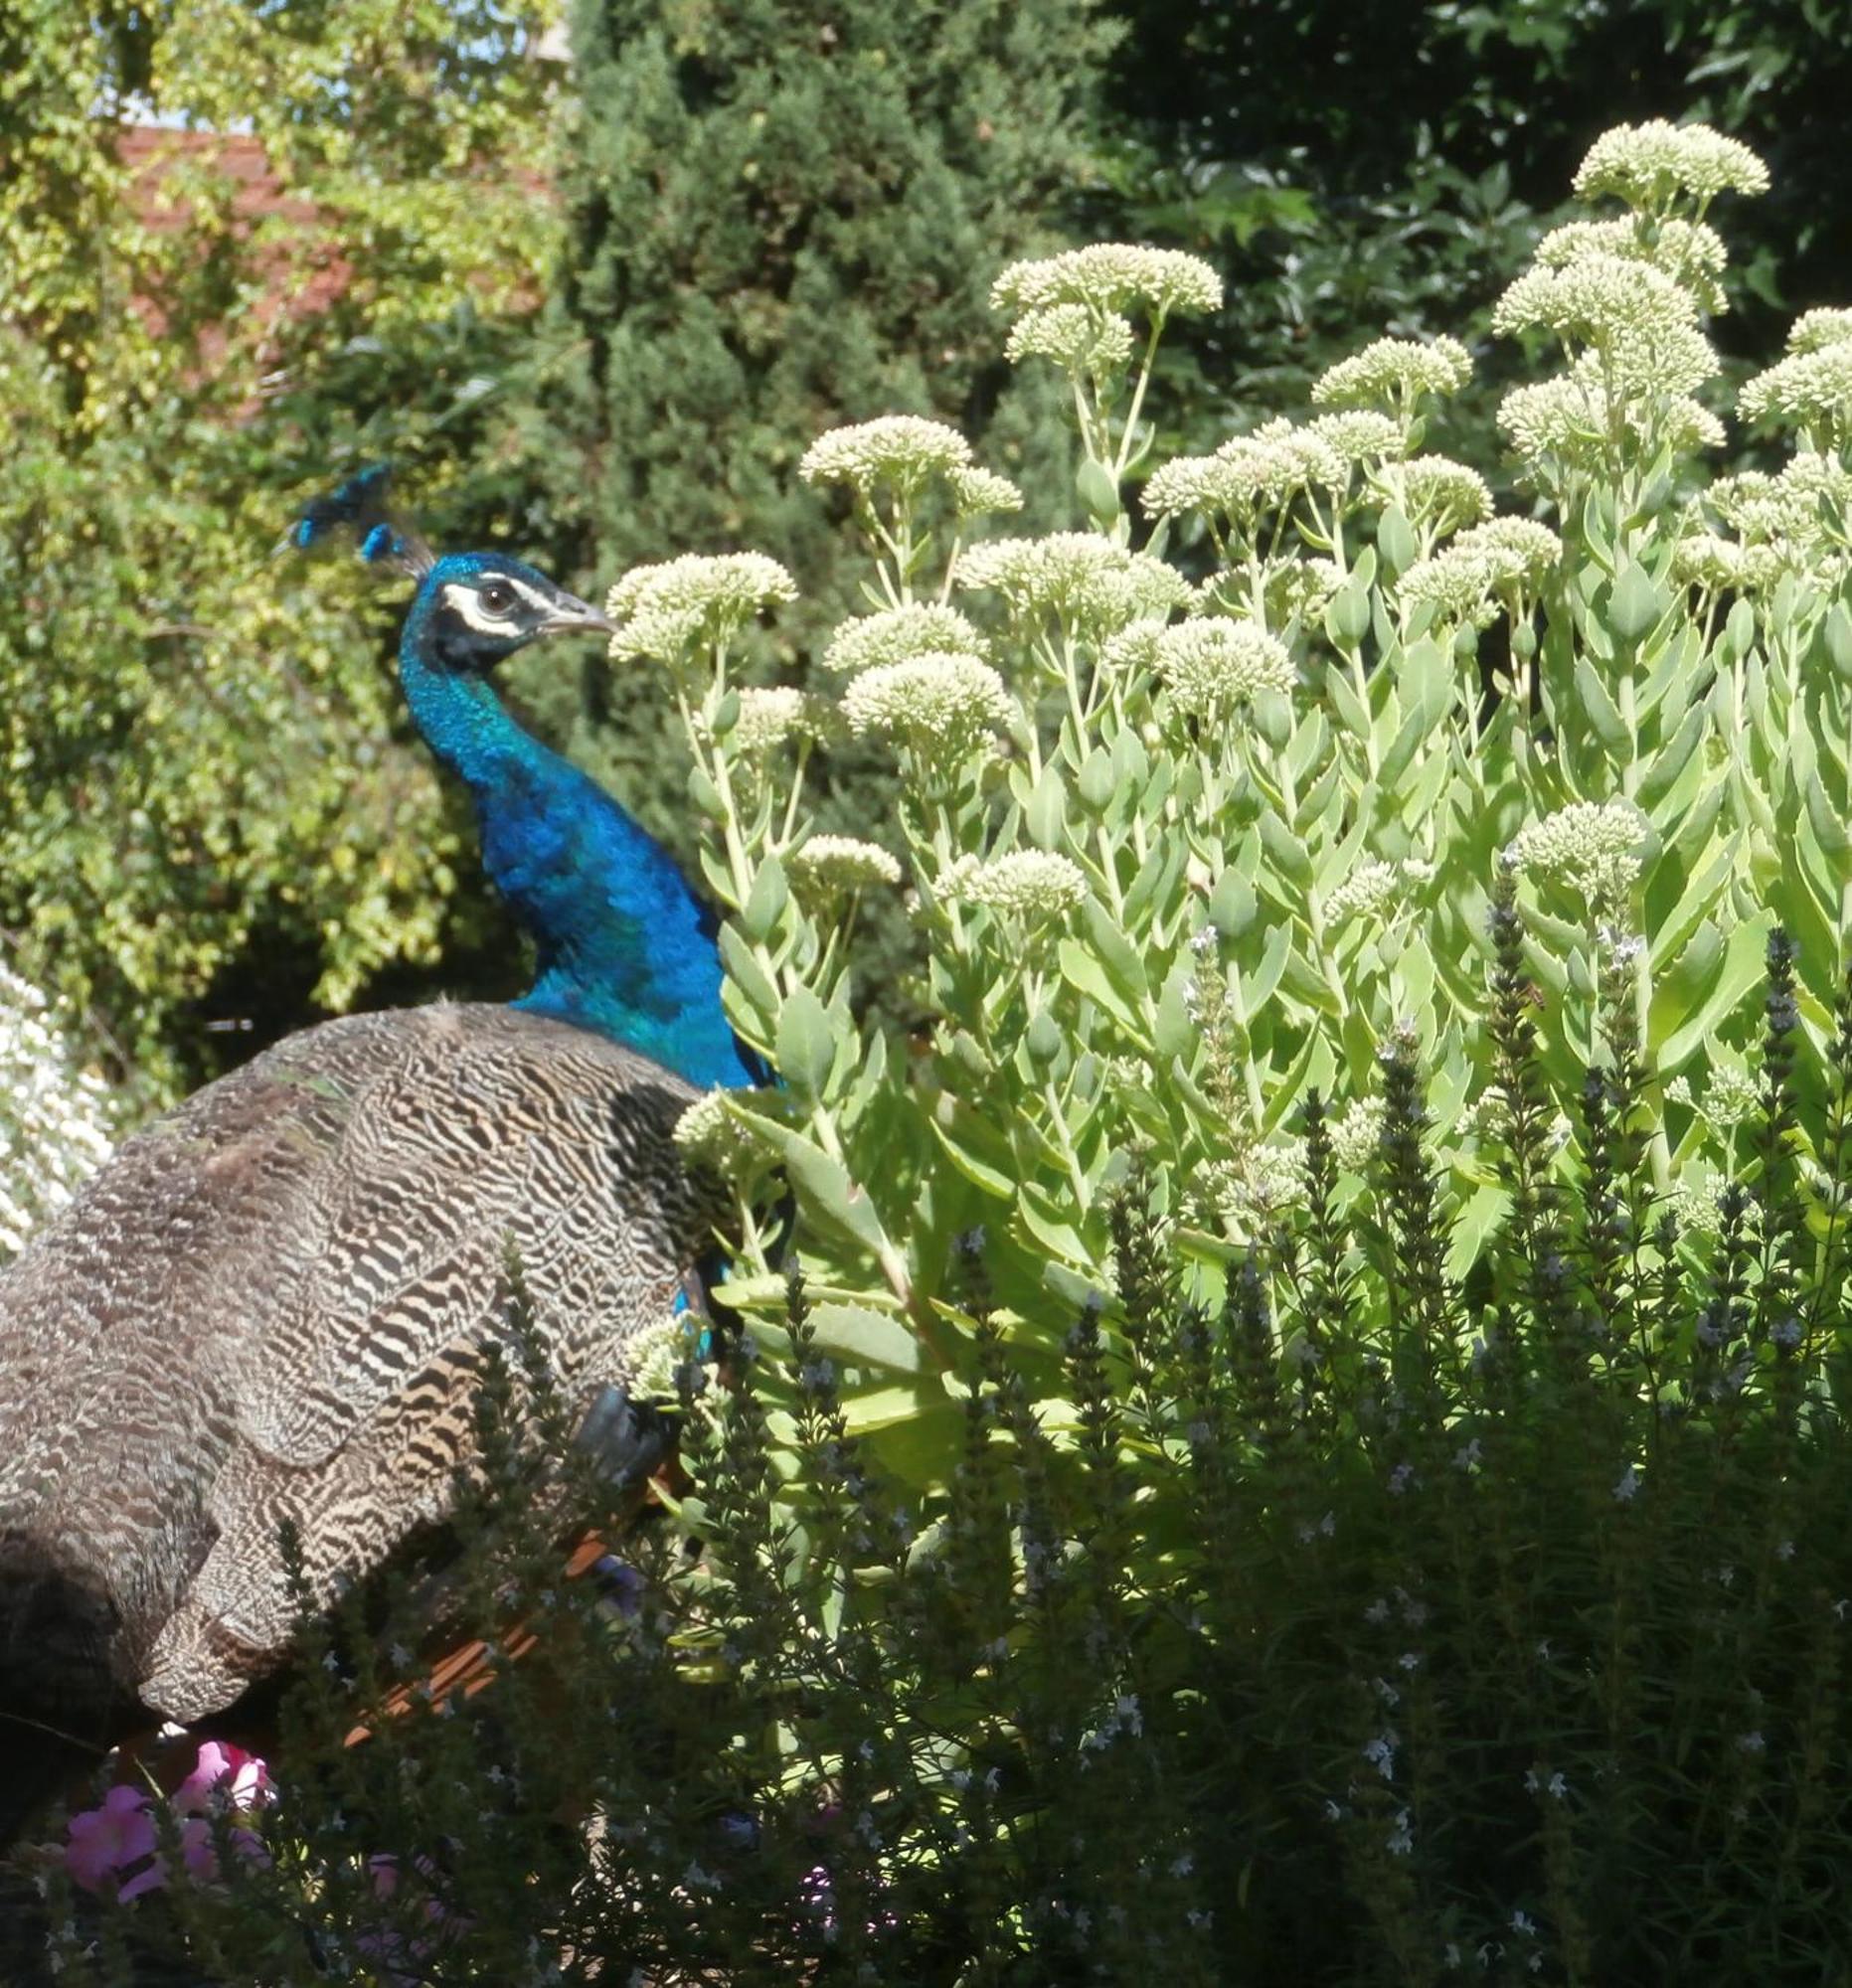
[(105, 1842), (391, 1949), (201, 1854), (224, 1773)]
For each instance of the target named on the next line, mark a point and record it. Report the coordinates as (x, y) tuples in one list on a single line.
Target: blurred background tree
[(237, 236), (784, 218), (597, 311)]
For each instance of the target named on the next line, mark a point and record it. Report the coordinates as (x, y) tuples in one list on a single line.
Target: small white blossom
[(1502, 557), (1691, 252), (1392, 372), (1356, 1136), (826, 864), (1730, 1096), (1647, 165), (767, 719), (1442, 496), (1213, 668), (982, 493), (665, 610), (1080, 577), (1628, 1489), (1369, 890), (896, 451), (1110, 275), (1358, 433), (709, 1135), (940, 706), (1593, 846), (1078, 337), (1810, 391), (1814, 330), (919, 629), (1025, 883)]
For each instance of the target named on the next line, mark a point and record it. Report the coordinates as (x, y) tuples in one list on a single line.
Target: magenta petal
[(150, 1879), (196, 1850), (91, 1853)]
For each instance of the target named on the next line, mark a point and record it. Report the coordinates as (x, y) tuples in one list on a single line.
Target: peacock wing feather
[(273, 1304)]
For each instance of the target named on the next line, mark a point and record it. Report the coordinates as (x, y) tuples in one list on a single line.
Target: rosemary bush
[(1497, 1629)]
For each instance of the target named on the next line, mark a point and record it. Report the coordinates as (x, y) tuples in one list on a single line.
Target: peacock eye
[(497, 598)]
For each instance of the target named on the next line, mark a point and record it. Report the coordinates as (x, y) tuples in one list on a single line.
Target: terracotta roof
[(303, 269)]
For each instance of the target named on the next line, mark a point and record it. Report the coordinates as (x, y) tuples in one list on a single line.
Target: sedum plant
[(1204, 802)]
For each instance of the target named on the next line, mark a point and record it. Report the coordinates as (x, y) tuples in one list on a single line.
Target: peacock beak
[(572, 617)]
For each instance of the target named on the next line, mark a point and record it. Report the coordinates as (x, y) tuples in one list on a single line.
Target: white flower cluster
[(666, 611), (1214, 667), (54, 1118), (1648, 165), (1814, 330), (1078, 338), (1504, 557), (1809, 389), (708, 1134), (1731, 1098), (1592, 846), (1249, 473), (1110, 275), (828, 864), (1028, 884), (1356, 1136), (769, 718), (1690, 252), (940, 706), (899, 451), (1375, 889), (1359, 435), (982, 493), (1440, 496), (1392, 372), (1783, 524), (1079, 578), (1252, 1190), (1643, 323), (896, 634), (1570, 420)]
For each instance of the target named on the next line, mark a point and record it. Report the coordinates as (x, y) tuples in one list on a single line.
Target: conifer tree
[(782, 218)]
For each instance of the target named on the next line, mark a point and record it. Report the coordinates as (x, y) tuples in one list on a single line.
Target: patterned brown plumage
[(270, 1306)]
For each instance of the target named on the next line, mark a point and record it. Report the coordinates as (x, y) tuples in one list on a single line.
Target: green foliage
[(1366, 1624), (1173, 877), (200, 786)]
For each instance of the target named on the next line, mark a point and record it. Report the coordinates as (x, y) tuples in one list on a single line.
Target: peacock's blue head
[(471, 611), (474, 610)]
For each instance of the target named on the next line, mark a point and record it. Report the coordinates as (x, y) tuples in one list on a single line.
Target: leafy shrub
[(1174, 876)]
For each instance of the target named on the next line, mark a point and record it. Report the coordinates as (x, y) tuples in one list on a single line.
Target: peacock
[(271, 1305)]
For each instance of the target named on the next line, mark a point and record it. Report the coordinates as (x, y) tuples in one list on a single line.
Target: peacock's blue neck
[(623, 945)]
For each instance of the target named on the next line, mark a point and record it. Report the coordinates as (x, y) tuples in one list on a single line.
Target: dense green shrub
[(1493, 1626), (207, 804)]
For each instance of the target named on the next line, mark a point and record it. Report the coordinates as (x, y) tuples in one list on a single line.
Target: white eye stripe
[(466, 603)]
